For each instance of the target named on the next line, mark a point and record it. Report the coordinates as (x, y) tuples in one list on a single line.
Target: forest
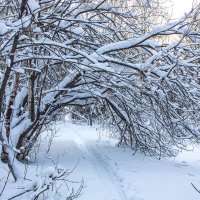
[(125, 66)]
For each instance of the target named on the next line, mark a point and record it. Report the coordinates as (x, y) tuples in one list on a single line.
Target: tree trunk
[(10, 105), (31, 103)]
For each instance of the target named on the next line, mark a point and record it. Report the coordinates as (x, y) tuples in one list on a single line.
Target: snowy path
[(112, 173), (111, 186)]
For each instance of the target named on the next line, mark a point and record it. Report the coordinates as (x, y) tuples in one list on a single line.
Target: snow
[(23, 22), (8, 61), (17, 130), (143, 40), (110, 172), (37, 30), (49, 97), (19, 70), (3, 28), (78, 31), (33, 5)]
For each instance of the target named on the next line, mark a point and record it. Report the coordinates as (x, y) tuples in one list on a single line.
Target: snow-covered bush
[(51, 184)]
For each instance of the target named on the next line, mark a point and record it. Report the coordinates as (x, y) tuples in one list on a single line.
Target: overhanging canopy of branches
[(55, 54)]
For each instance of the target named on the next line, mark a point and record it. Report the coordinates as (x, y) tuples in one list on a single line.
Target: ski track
[(108, 178)]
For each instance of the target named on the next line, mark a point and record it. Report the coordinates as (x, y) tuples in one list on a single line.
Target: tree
[(63, 54)]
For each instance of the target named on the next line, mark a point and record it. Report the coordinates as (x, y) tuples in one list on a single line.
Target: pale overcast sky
[(182, 6)]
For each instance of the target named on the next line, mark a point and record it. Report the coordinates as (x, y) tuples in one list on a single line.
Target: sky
[(182, 6)]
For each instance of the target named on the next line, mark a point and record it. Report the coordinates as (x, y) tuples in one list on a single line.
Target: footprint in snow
[(182, 164), (190, 174), (134, 171)]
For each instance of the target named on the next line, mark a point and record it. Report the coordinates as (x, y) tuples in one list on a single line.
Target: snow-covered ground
[(113, 173)]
